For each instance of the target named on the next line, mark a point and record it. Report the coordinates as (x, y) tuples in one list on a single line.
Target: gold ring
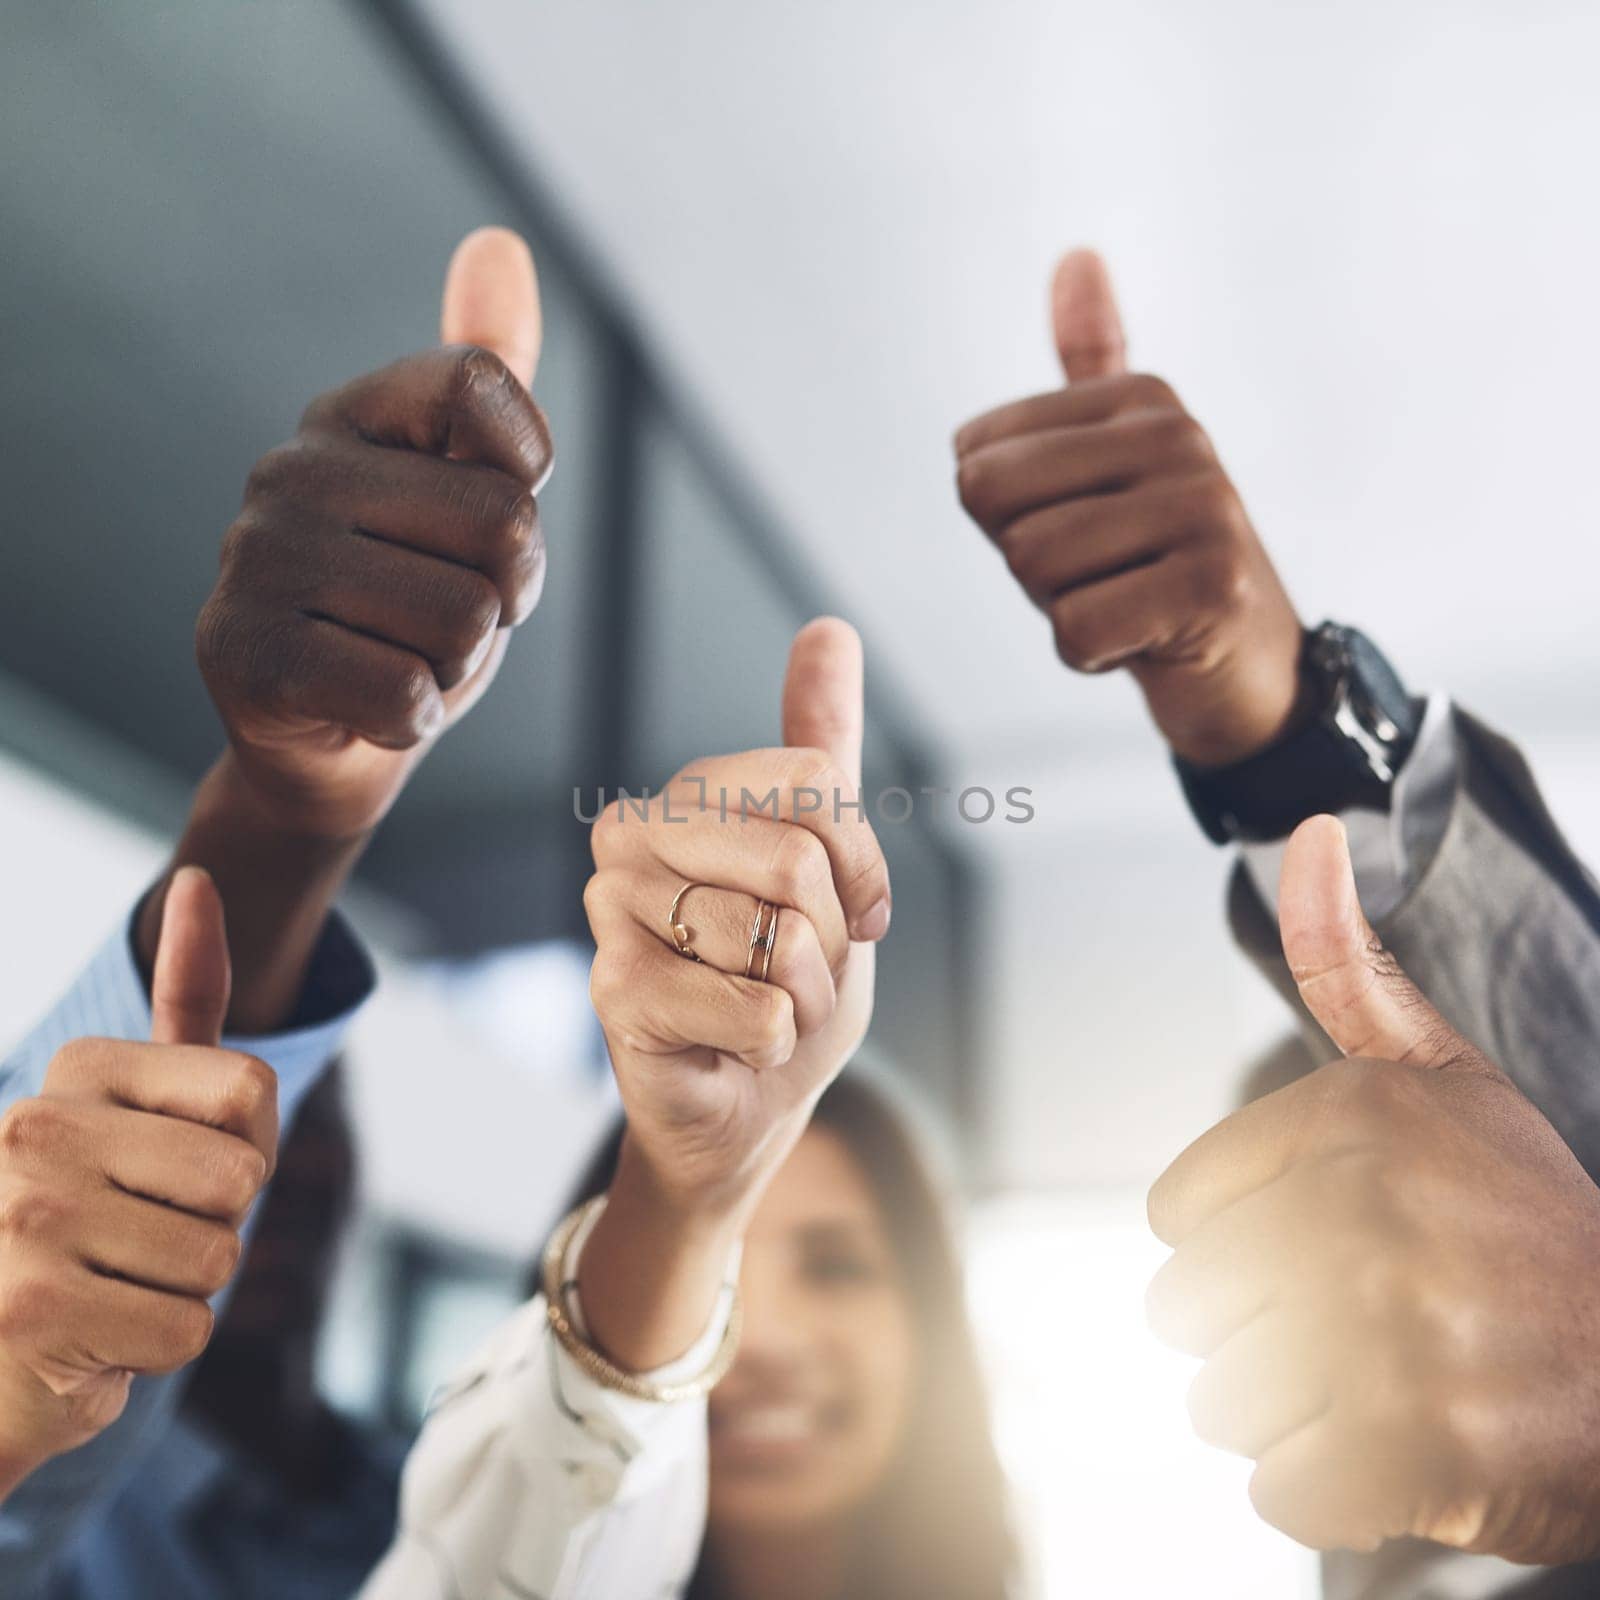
[(762, 939), (680, 934)]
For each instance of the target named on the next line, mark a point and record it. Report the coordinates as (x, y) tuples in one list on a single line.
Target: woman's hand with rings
[(756, 864)]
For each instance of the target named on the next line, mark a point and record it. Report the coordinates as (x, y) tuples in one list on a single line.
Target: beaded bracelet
[(591, 1362)]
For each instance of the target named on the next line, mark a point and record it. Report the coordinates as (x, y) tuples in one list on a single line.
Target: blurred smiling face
[(806, 1426)]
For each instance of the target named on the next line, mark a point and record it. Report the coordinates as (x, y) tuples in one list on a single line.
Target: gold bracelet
[(591, 1362)]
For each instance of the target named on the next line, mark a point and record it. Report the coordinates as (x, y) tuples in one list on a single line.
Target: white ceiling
[(1356, 238)]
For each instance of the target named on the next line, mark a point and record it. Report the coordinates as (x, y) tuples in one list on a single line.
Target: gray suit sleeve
[(1502, 932)]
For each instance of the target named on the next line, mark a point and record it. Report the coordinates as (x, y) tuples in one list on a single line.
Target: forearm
[(277, 888), (653, 1267)]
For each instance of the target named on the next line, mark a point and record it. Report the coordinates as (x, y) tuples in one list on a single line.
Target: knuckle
[(606, 837), (866, 878), (612, 980), (517, 527), (33, 1129), (251, 1090), (524, 554), (468, 606), (187, 1330), (326, 411), (217, 1257), (238, 1171), (1146, 389), (478, 606), (245, 533), (217, 629), (805, 766), (30, 1213), (1214, 498), (773, 1022), (600, 895), (1072, 635), (77, 1062), (1157, 1308), (1177, 438), (476, 373), (29, 1304), (1378, 1285), (1028, 545), (412, 696), (1162, 1210), (1465, 1423), (975, 482), (276, 473), (1267, 1499), (242, 652), (1222, 584), (799, 865)]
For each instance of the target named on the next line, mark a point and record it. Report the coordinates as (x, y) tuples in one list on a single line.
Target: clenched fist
[(1114, 514), (382, 555), (123, 1186), (1390, 1268)]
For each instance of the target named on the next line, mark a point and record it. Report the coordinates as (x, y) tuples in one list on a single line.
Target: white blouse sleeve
[(533, 1482)]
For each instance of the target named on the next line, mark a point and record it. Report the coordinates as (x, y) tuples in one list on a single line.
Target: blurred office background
[(784, 252)]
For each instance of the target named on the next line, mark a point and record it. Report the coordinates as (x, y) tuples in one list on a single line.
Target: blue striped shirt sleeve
[(108, 1000)]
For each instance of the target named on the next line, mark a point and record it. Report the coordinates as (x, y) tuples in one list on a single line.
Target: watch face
[(1330, 650), (1345, 757), (1390, 711), (1369, 709)]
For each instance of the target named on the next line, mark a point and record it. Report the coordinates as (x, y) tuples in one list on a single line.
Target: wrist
[(1211, 719), (234, 796), (698, 1215), (1340, 749), (715, 1193), (653, 1267), (277, 880)]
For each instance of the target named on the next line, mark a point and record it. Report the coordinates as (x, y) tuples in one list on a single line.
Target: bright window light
[(1116, 1494)]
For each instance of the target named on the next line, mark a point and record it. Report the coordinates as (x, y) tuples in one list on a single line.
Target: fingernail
[(872, 924)]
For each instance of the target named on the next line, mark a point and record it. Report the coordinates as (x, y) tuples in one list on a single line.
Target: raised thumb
[(1084, 316), (823, 693), (491, 298), (192, 981), (1350, 984)]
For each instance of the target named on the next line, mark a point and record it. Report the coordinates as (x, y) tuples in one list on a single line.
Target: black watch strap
[(1348, 755)]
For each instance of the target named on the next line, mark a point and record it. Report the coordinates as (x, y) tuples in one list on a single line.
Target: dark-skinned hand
[(369, 584), (1112, 511), (1389, 1268)]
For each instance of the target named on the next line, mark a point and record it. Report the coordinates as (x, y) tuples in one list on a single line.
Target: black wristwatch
[(1348, 755)]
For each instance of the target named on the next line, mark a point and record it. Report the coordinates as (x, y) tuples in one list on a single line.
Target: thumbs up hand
[(369, 583), (1389, 1268), (721, 1048), (1112, 511), (710, 1056), (123, 1187)]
